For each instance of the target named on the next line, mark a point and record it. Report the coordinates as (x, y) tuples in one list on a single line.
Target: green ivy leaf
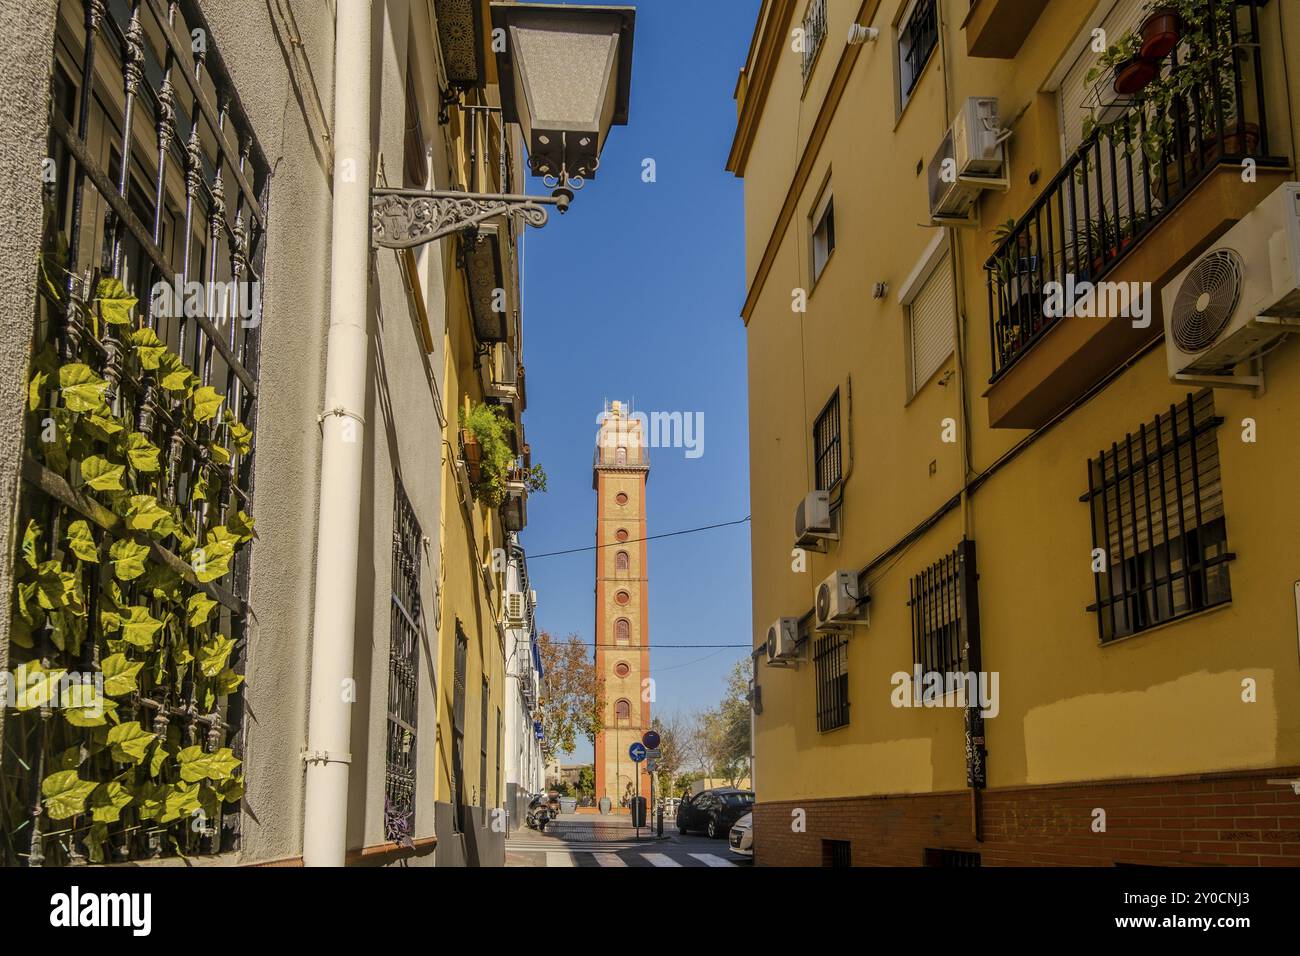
[(120, 676), (102, 425), (214, 653), (115, 303), (177, 377), (207, 401), (55, 587), (128, 559), (86, 707), (146, 514), (197, 765), (211, 561), (228, 682), (31, 544), (180, 801), (232, 789), (142, 453), (82, 389), (220, 453), (64, 794), (95, 839), (149, 348), (34, 686), (108, 801), (130, 742), (81, 541), (139, 627), (242, 436), (101, 474), (36, 391), (150, 799), (241, 525), (200, 607)]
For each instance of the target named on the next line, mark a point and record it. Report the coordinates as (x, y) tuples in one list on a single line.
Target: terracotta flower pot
[(473, 450), (1160, 33), (1239, 140), (1134, 74)]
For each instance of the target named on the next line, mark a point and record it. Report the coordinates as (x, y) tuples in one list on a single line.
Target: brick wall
[(1229, 819)]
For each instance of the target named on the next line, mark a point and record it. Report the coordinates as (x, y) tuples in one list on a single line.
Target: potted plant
[(1160, 32), (472, 451), (489, 431)]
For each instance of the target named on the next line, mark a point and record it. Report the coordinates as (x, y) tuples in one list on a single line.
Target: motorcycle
[(538, 813)]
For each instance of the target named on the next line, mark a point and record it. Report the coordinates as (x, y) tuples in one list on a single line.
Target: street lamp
[(565, 74)]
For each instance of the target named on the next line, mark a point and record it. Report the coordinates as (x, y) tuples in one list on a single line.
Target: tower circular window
[(621, 534), (621, 497), (621, 669), (622, 597)]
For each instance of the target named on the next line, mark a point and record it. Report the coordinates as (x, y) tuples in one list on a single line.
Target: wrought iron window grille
[(405, 631)]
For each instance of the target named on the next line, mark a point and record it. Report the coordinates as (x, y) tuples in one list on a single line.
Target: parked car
[(713, 811), (741, 837)]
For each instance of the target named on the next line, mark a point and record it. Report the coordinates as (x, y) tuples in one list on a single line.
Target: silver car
[(741, 837)]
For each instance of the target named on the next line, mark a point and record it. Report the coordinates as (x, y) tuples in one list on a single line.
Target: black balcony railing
[(1127, 176)]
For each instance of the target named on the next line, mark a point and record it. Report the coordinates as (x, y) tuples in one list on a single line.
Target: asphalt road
[(588, 840)]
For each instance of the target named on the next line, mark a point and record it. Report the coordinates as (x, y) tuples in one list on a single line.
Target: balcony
[(998, 28), (1135, 203)]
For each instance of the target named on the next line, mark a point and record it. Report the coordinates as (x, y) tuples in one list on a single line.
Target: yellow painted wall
[(1164, 702)]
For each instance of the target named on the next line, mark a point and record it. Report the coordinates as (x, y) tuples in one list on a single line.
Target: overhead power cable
[(653, 537)]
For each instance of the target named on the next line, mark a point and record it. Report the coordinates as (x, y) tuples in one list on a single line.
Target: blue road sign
[(636, 752), (651, 739)]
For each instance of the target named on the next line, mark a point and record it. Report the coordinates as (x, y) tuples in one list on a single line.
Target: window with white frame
[(823, 234), (929, 309), (918, 35)]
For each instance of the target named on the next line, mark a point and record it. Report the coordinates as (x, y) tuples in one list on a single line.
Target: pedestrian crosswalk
[(619, 856)]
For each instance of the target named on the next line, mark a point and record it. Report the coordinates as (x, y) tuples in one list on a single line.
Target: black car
[(713, 811)]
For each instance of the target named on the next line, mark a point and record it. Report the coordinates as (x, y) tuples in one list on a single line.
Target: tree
[(720, 742), (587, 780), (573, 699), (672, 733)]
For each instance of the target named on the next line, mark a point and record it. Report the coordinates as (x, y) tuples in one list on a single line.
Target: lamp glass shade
[(565, 76)]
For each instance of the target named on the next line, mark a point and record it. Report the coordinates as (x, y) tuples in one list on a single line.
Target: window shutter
[(931, 324), (1073, 94)]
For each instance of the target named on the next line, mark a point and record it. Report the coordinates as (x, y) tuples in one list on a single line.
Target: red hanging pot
[(1134, 74), (1160, 33)]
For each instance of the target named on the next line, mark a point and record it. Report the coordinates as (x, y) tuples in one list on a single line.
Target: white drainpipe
[(325, 816)]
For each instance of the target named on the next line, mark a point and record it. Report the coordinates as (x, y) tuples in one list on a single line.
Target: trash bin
[(638, 807)]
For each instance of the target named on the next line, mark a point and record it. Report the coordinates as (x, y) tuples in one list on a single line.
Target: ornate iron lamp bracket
[(403, 218)]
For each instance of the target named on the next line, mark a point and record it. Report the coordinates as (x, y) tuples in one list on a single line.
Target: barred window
[(826, 445), (943, 602), (917, 38), (951, 858), (623, 710), (837, 853), (622, 630), (483, 753), (403, 672), (139, 508), (831, 663), (814, 32), (1158, 523)]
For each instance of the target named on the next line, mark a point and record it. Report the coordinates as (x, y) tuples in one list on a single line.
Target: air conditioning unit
[(812, 520), (782, 637), (516, 609), (1239, 297), (837, 600), (969, 160)]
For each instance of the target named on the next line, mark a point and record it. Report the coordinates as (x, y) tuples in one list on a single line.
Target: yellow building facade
[(1019, 497)]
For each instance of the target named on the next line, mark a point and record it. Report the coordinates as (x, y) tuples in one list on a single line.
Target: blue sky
[(635, 295)]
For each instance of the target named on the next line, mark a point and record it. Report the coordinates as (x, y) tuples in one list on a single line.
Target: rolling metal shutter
[(930, 320), (1073, 93)]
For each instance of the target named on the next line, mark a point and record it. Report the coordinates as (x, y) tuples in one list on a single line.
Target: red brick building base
[(1235, 819)]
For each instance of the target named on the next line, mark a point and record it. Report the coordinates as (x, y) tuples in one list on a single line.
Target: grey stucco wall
[(28, 31), (403, 435)]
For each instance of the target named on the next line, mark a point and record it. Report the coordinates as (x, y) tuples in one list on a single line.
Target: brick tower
[(619, 475)]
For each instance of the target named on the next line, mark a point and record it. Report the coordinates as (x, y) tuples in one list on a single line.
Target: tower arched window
[(620, 561), (620, 455), (623, 710), (622, 630)]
